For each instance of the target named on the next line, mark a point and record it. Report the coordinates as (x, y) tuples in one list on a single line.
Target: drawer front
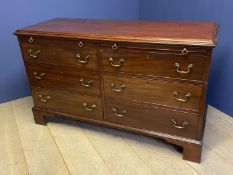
[(152, 118), (80, 105), (84, 82), (73, 53), (159, 63), (179, 95)]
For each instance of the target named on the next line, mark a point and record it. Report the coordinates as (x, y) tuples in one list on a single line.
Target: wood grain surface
[(151, 118), (65, 79), (68, 103), (59, 52), (159, 62), (153, 91), (162, 32)]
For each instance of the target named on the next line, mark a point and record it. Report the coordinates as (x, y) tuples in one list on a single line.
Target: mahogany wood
[(150, 117), (39, 116), (63, 78), (59, 52), (154, 91), (159, 62), (68, 103), (159, 32), (191, 152)]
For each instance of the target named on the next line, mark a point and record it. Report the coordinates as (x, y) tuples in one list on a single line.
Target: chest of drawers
[(146, 77)]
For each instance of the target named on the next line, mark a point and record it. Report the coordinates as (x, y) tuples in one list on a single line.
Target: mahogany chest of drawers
[(142, 76)]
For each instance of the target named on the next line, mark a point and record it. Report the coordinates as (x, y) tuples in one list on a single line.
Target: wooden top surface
[(159, 32)]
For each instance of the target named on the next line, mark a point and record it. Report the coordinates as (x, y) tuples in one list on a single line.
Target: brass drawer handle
[(186, 97), (38, 75), (35, 54), (80, 44), (119, 64), (44, 98), (185, 51), (83, 60), (189, 67), (89, 108), (31, 40), (118, 90), (87, 84), (123, 112), (183, 125), (114, 47)]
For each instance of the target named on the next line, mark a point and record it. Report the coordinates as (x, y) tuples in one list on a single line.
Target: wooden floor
[(70, 147)]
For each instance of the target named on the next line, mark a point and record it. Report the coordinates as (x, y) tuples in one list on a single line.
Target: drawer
[(179, 95), (80, 105), (176, 63), (60, 78), (73, 53), (152, 118)]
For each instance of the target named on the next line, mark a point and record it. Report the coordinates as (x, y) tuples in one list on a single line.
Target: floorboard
[(12, 160), (158, 155), (115, 152), (41, 153), (217, 154), (79, 154)]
